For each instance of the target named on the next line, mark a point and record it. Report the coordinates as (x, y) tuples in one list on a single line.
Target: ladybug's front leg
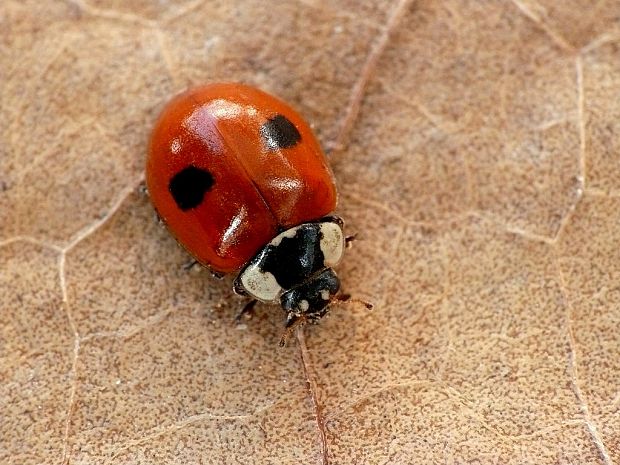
[(293, 321), (247, 309), (348, 241)]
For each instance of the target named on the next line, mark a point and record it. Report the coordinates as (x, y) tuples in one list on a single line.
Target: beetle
[(241, 182)]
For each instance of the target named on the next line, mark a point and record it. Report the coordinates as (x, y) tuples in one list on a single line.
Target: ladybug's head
[(310, 300)]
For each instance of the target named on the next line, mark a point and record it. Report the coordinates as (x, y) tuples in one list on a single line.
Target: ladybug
[(242, 184)]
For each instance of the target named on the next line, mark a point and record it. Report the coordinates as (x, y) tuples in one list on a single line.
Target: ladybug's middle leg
[(190, 264)]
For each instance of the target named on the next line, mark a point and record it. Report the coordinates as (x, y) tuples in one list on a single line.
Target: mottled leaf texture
[(476, 144)]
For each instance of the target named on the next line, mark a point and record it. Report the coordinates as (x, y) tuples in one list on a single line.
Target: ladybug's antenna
[(347, 300)]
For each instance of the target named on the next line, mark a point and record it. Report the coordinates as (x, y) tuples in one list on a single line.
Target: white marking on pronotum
[(332, 243), (304, 305), (261, 285), (290, 233)]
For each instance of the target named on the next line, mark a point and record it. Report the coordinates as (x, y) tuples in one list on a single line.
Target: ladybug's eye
[(279, 133), (189, 186)]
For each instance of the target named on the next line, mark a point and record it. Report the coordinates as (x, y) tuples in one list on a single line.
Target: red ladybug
[(243, 185)]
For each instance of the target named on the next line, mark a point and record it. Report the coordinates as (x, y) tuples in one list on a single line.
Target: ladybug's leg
[(293, 321), (142, 189), (247, 309), (216, 275), (349, 240), (346, 299), (190, 264)]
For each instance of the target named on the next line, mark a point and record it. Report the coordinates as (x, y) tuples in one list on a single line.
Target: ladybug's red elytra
[(241, 182)]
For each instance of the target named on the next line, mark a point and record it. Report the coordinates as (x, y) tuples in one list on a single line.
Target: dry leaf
[(476, 148)]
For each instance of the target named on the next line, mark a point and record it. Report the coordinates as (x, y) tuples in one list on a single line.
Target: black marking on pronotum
[(189, 186), (296, 258), (279, 133)]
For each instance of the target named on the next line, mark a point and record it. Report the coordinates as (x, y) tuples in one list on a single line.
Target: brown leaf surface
[(475, 144)]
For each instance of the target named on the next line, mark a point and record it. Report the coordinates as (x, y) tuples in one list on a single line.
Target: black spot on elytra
[(279, 133), (295, 258), (189, 186)]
